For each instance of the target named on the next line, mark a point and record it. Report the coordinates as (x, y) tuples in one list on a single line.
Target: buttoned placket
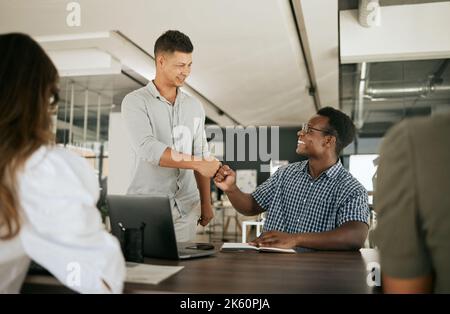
[(174, 123), (311, 185), (173, 116)]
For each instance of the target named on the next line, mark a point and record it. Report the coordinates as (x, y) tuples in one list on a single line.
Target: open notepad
[(228, 247)]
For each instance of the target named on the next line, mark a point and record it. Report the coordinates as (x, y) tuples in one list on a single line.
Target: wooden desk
[(253, 273)]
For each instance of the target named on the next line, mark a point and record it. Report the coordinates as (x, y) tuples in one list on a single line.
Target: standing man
[(314, 204), (166, 128)]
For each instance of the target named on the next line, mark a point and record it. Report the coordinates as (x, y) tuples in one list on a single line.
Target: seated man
[(413, 206), (314, 204)]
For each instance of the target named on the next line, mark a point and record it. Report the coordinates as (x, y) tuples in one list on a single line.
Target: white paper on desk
[(230, 246), (149, 274)]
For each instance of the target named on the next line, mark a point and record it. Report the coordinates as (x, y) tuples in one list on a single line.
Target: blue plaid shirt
[(297, 203)]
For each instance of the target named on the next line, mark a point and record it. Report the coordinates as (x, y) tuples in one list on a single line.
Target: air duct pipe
[(402, 91)]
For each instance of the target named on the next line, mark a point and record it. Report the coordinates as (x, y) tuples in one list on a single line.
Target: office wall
[(285, 143)]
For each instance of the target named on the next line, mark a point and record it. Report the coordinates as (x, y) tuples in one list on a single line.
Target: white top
[(61, 227)]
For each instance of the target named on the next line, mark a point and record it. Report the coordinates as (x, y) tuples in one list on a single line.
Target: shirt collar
[(334, 170), (331, 172), (302, 166), (154, 91)]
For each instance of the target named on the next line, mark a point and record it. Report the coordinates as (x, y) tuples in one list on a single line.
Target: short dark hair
[(172, 41), (340, 125)]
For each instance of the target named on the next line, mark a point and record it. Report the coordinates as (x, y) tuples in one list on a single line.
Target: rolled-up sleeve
[(201, 148), (138, 124), (399, 235)]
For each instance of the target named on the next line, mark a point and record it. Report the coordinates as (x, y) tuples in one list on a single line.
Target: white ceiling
[(406, 32), (247, 57)]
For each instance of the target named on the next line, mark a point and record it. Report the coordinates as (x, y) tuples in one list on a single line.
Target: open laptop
[(159, 233)]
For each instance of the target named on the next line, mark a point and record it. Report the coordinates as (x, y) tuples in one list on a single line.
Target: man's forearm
[(243, 202), (350, 236), (173, 159), (204, 187)]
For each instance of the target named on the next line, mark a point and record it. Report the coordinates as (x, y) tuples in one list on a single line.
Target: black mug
[(132, 242)]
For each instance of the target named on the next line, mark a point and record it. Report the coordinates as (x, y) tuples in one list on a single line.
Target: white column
[(86, 113), (99, 104), (72, 99)]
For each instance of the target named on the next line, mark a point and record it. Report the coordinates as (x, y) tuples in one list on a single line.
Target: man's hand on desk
[(207, 214), (225, 179), (277, 239)]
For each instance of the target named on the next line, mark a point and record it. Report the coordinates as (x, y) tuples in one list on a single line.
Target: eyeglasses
[(307, 129), (53, 101), (54, 98)]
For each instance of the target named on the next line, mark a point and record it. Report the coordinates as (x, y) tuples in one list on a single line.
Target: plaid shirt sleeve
[(354, 208), (264, 193)]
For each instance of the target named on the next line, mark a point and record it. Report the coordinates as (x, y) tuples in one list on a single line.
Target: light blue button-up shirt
[(154, 124)]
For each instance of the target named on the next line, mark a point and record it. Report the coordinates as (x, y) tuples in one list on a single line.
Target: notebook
[(233, 247)]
